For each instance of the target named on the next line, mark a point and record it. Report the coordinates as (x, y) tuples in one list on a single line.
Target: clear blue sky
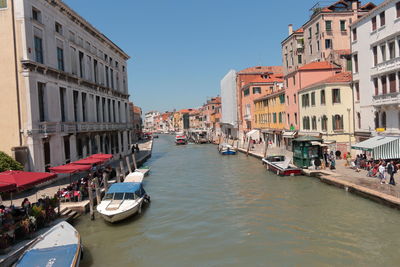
[(181, 49)]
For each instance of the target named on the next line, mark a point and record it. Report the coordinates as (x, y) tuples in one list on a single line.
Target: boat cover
[(127, 188), (24, 180), (54, 256)]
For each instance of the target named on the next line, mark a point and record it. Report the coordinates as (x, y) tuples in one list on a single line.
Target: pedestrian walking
[(332, 161), (391, 170), (382, 171), (358, 163)]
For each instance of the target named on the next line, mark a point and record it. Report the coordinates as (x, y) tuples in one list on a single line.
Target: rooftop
[(323, 65), (262, 70), (343, 77)]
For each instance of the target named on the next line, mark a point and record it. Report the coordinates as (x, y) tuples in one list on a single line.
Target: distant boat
[(226, 149), (123, 200), (280, 165), (60, 246), (180, 139)]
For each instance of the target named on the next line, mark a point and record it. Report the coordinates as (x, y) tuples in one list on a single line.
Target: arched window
[(314, 123), (358, 120), (376, 120), (337, 122), (324, 123), (384, 120)]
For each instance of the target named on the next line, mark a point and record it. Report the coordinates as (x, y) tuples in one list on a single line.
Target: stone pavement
[(360, 178), (44, 190)]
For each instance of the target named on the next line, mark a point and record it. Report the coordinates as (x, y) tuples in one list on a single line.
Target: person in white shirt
[(382, 171)]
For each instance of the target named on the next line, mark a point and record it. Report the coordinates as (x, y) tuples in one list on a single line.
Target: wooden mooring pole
[(121, 164), (265, 148), (91, 201), (97, 188), (129, 164), (118, 172), (134, 161), (105, 180)]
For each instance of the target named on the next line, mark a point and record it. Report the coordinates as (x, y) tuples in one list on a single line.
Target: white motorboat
[(226, 149), (123, 200), (60, 246)]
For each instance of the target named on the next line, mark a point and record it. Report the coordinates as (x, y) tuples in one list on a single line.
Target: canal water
[(212, 210)]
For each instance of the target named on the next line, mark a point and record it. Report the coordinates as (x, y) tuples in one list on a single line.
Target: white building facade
[(149, 120), (376, 71), (73, 83), (229, 120)]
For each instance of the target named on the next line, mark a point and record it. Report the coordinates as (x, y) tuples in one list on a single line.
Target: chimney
[(355, 5), (290, 29)]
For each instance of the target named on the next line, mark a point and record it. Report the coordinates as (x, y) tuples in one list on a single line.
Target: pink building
[(253, 83), (302, 77)]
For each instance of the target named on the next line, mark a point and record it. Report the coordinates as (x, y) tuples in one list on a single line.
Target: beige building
[(326, 110), (64, 86)]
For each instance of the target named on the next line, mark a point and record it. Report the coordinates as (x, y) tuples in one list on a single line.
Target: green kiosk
[(305, 149)]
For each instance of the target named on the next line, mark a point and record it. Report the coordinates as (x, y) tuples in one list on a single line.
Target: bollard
[(97, 188), (129, 164), (121, 164), (134, 161), (91, 204), (265, 148), (105, 179), (118, 171)]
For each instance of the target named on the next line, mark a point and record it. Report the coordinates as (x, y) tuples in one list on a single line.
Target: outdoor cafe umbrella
[(101, 156), (89, 161)]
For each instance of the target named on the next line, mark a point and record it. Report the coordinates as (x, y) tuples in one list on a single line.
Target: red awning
[(24, 180), (89, 161), (70, 168), (101, 156), (6, 186)]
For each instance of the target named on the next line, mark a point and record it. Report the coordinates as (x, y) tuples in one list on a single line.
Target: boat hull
[(291, 171), (228, 152), (116, 217)]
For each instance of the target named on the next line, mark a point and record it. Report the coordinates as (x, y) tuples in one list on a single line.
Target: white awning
[(254, 134), (289, 134), (382, 147)]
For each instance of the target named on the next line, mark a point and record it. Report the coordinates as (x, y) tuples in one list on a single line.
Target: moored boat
[(60, 246), (180, 139), (280, 165), (226, 149), (123, 200)]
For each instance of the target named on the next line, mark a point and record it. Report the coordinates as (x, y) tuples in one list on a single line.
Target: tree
[(8, 163)]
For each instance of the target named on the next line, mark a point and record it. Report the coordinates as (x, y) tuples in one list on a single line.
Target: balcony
[(387, 99), (387, 66), (77, 127)]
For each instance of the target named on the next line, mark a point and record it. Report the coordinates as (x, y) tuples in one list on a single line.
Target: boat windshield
[(129, 196), (109, 196), (118, 196)]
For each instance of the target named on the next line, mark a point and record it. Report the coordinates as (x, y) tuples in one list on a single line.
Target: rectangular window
[(336, 96), (343, 25), (41, 100), (294, 80), (256, 90), (357, 90), (274, 117), (328, 25), (313, 99), (382, 18), (317, 28), (95, 71), (76, 99), (62, 104), (309, 33), (81, 64), (375, 53), (311, 49), (295, 118), (384, 85), (383, 52), (392, 82), (246, 92), (58, 28), (373, 23), (294, 98), (323, 97), (112, 78), (376, 86), (107, 78), (299, 59), (392, 53), (355, 34), (398, 9), (36, 14), (74, 68), (3, 3), (328, 43), (60, 58), (318, 48), (38, 50), (97, 108), (355, 57), (84, 104), (67, 152), (47, 154)]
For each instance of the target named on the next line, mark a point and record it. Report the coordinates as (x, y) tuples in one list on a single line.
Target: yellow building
[(270, 116), (326, 110)]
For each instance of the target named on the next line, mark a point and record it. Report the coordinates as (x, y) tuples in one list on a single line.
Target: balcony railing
[(390, 65), (386, 99), (76, 127)]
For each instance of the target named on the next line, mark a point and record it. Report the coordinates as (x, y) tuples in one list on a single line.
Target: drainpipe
[(16, 74)]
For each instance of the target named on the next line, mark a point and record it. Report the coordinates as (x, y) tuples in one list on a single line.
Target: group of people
[(383, 170), (329, 160)]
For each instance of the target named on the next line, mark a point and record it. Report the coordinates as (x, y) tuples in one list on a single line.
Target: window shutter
[(333, 123), (341, 123)]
